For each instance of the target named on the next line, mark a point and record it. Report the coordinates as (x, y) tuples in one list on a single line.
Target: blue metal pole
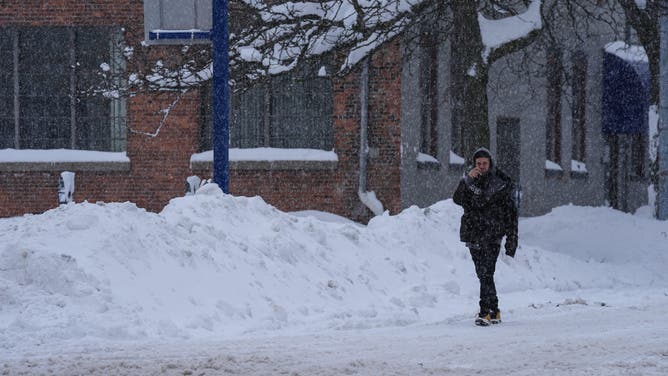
[(221, 130)]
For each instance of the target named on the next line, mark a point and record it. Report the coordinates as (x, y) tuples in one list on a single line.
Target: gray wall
[(522, 96), (526, 99), (425, 184)]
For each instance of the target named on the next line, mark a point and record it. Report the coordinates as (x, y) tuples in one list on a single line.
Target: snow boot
[(483, 319), (495, 317)]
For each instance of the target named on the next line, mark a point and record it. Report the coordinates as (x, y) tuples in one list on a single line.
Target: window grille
[(50, 88), (291, 110)]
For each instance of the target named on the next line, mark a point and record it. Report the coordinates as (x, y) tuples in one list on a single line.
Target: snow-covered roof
[(627, 52)]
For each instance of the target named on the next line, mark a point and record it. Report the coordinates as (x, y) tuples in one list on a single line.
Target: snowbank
[(215, 265)]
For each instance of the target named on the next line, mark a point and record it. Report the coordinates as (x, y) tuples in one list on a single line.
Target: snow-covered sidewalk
[(616, 333)]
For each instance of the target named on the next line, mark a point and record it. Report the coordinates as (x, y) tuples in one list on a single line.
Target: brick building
[(146, 145), (41, 39)]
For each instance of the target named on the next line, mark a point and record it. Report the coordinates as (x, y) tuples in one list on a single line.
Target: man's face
[(482, 164)]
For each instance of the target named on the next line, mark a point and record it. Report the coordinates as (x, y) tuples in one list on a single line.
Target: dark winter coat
[(489, 209)]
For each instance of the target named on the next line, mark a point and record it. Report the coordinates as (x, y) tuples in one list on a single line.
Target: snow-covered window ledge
[(270, 159), (13, 160), (427, 162), (456, 163), (553, 169), (579, 170)]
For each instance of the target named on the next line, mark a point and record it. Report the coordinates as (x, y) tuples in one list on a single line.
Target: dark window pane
[(6, 83), (638, 147), (93, 123), (429, 94), (246, 118), (579, 105), (205, 118), (301, 111), (44, 77), (300, 106), (554, 82), (93, 110), (93, 47), (6, 89), (6, 132), (6, 43), (6, 63)]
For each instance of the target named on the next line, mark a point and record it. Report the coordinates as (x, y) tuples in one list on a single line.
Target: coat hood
[(485, 153)]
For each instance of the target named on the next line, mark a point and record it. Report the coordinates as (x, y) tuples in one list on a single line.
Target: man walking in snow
[(490, 213)]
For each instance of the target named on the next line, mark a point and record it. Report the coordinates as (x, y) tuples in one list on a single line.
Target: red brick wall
[(159, 164), (33, 192), (347, 142), (27, 192), (126, 13), (384, 175), (291, 190)]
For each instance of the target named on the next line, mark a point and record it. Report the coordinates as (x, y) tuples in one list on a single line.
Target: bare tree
[(269, 37), (283, 34), (645, 22), (643, 17)]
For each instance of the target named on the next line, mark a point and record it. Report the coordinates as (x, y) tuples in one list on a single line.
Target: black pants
[(484, 257)]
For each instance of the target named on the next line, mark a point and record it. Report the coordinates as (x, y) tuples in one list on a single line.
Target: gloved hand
[(511, 245)]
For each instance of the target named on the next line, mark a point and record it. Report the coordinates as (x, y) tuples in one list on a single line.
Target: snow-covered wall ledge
[(553, 169), (270, 159), (426, 161), (579, 170), (13, 160)]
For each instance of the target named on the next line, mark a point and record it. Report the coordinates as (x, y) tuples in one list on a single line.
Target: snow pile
[(215, 265)]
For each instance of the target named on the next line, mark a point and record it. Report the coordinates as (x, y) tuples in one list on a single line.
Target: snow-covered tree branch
[(270, 37), (284, 33)]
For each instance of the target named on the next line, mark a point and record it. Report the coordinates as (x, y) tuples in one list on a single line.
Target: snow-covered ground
[(217, 284)]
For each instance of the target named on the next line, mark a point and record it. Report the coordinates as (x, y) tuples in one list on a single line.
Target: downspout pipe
[(364, 124), (368, 198)]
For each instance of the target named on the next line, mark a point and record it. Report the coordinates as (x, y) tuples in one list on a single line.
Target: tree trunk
[(645, 22), (653, 57), (469, 81)]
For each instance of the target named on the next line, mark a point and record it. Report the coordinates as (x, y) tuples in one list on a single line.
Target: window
[(291, 110), (554, 82), (579, 87), (47, 74), (508, 146), (638, 155), (429, 94)]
